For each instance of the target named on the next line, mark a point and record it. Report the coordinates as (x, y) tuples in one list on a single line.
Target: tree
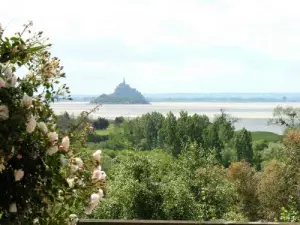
[(100, 123), (198, 125), (287, 117), (225, 126), (212, 140), (271, 190), (148, 185), (245, 179), (151, 124), (119, 120), (258, 151), (218, 135), (168, 134), (242, 142), (214, 192), (274, 151), (183, 128)]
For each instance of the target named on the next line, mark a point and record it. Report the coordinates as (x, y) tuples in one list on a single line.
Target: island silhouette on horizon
[(123, 94)]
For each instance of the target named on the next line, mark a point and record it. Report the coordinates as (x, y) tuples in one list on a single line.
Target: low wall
[(171, 222)]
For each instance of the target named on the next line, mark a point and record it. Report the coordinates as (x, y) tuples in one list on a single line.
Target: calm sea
[(253, 116)]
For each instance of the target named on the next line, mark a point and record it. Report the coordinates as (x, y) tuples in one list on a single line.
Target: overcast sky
[(164, 46)]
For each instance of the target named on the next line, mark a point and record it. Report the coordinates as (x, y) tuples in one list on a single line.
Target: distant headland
[(123, 94)]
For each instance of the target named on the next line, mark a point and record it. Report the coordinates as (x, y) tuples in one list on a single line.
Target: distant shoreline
[(212, 97), (229, 100), (222, 100), (242, 110), (253, 116)]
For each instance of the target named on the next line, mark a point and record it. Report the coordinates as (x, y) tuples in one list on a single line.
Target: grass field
[(105, 132), (264, 135)]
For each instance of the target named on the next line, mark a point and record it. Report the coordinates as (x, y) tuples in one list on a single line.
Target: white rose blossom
[(73, 219), (80, 182), (31, 124), (13, 208), (94, 201), (71, 182), (43, 127), (26, 101), (101, 194), (97, 155), (52, 137), (4, 112), (79, 162), (11, 81), (98, 174), (19, 174), (65, 143)]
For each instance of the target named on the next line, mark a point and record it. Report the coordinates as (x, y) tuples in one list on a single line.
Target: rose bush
[(43, 177)]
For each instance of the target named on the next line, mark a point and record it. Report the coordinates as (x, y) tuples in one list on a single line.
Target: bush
[(41, 174), (101, 123), (91, 137), (119, 120)]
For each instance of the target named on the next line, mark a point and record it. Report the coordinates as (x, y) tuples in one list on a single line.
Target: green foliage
[(147, 186), (242, 143), (36, 158), (273, 151), (258, 151), (245, 180), (271, 190), (119, 120), (287, 117), (153, 130), (290, 214), (169, 136), (194, 183), (215, 193), (100, 123), (229, 155), (200, 171), (94, 137)]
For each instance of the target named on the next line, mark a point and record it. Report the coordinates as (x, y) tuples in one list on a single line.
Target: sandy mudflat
[(240, 110), (253, 116)]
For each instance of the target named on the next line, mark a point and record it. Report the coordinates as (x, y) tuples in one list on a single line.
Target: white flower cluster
[(7, 78), (94, 201), (97, 175), (36, 129)]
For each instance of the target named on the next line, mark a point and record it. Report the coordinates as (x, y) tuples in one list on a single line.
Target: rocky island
[(123, 94)]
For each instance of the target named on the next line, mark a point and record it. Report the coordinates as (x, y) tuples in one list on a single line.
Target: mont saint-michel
[(123, 94)]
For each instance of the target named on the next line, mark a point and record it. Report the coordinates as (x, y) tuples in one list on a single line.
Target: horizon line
[(182, 93)]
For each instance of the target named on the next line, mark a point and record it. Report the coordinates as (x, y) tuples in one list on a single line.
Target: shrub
[(41, 173), (119, 120), (101, 123)]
